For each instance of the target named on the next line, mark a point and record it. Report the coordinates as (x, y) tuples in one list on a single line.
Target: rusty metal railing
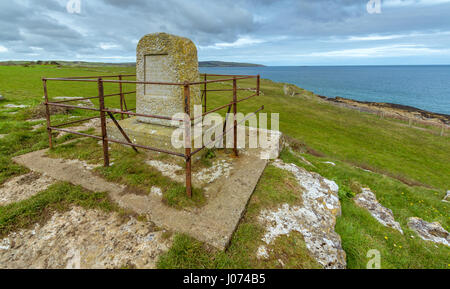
[(124, 111)]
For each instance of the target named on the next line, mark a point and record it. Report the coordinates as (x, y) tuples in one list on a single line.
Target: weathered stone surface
[(368, 201), (315, 219), (84, 239), (23, 187), (447, 197), (429, 231), (16, 106), (163, 57)]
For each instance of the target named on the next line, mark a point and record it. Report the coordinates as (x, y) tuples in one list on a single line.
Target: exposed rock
[(16, 106), (2, 97), (289, 90), (330, 163), (156, 191), (429, 231), (167, 170), (447, 197), (206, 176), (84, 164), (368, 201), (217, 170), (84, 239), (315, 219), (262, 253), (3, 136), (23, 187), (37, 126)]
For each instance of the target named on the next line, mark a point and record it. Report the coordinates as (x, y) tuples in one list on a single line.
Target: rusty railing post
[(121, 96), (47, 114), (187, 141), (258, 85), (235, 113), (205, 90), (103, 122)]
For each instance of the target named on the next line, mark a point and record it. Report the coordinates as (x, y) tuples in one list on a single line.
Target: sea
[(426, 86)]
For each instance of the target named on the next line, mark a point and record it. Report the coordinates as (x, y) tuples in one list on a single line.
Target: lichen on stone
[(180, 65)]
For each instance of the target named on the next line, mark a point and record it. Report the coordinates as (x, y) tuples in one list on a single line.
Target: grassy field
[(410, 171)]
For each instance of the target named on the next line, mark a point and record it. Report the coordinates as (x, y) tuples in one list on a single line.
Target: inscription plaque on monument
[(156, 70)]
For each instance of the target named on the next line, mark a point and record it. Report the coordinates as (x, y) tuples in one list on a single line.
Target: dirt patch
[(39, 111), (23, 187), (84, 239)]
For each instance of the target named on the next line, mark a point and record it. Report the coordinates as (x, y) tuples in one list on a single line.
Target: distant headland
[(125, 64)]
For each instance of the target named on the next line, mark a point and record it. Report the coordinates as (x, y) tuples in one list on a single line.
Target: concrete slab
[(214, 223)]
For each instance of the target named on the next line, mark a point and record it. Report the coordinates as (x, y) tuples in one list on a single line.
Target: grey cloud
[(282, 27)]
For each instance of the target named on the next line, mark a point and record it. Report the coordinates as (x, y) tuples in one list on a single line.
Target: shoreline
[(393, 110), (383, 109)]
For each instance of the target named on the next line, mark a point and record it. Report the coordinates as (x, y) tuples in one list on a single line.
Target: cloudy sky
[(271, 32)]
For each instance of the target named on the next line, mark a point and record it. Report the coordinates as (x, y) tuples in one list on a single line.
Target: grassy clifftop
[(406, 167)]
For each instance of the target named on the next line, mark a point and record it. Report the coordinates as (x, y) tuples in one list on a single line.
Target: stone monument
[(161, 58)]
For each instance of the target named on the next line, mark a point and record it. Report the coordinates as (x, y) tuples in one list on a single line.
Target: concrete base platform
[(214, 223), (147, 134), (160, 136)]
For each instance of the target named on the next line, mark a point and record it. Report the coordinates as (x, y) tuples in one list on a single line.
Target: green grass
[(412, 170), (360, 232), (291, 250), (129, 168), (359, 138), (60, 197)]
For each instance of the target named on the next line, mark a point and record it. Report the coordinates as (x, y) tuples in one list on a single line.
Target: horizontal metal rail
[(150, 82), (91, 97), (96, 77), (227, 131), (81, 120), (72, 106), (118, 142), (213, 110), (141, 114), (246, 98), (76, 121), (228, 75), (74, 132), (230, 89)]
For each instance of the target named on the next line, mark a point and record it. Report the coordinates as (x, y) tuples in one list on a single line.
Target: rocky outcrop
[(315, 219), (447, 197), (84, 239), (429, 231), (23, 187), (368, 201)]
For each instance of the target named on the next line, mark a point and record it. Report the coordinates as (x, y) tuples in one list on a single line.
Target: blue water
[(424, 87)]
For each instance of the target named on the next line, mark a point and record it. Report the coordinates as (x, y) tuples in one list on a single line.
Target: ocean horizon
[(425, 87)]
